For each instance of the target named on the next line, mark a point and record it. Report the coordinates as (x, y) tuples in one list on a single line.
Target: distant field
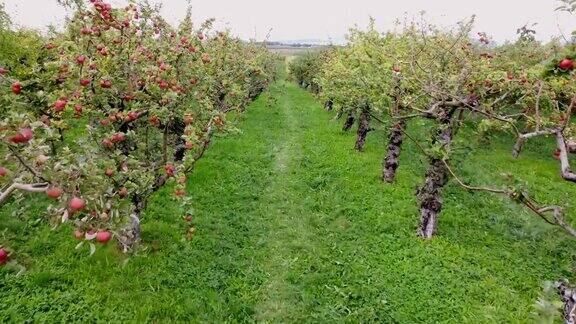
[(286, 50)]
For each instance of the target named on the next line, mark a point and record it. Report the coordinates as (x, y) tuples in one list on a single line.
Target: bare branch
[(38, 187), (523, 137), (565, 171)]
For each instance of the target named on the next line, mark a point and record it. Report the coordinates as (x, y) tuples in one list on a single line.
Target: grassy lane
[(294, 226)]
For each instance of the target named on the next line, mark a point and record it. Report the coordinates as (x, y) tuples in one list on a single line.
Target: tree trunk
[(430, 193), (130, 236), (568, 296), (349, 122), (363, 129), (329, 105), (392, 159)]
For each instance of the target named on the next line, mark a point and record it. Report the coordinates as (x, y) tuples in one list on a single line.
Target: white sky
[(323, 19)]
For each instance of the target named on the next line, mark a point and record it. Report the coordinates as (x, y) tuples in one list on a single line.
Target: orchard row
[(444, 89), (115, 107), (449, 80)]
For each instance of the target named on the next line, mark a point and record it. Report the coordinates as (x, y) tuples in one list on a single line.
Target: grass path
[(294, 226)]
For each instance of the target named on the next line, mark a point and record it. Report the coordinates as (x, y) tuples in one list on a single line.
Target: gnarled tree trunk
[(130, 235), (430, 193), (568, 296), (349, 121), (363, 129), (391, 161)]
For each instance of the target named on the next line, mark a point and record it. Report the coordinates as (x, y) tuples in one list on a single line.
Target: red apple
[(54, 192), (3, 171), (132, 116), (106, 84), (24, 136), (109, 172), (566, 64), (128, 97), (16, 87), (77, 204), (3, 256), (163, 85), (107, 143), (170, 169), (103, 237), (85, 82), (60, 105), (80, 59), (118, 137)]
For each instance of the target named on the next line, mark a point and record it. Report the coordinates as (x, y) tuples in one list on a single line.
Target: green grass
[(295, 226)]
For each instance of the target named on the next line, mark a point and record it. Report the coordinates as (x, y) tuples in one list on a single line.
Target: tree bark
[(565, 171), (349, 121), (329, 105), (130, 236), (363, 129), (430, 193), (568, 296), (523, 137), (392, 159)]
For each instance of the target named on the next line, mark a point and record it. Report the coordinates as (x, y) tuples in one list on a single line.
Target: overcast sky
[(323, 19)]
